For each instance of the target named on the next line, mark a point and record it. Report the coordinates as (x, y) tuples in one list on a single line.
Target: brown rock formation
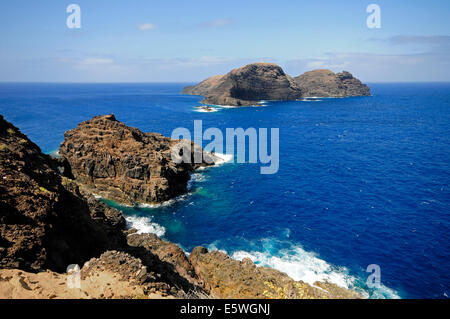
[(225, 277), (252, 83), (127, 268), (166, 258), (247, 86), (114, 275), (124, 164), (325, 83), (45, 223), (203, 87)]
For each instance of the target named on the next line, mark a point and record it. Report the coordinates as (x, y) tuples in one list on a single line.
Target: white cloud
[(147, 26)]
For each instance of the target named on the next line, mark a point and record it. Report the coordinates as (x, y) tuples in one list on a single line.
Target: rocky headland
[(121, 163), (50, 220), (250, 84)]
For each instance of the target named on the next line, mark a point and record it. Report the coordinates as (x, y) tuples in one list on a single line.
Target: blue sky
[(187, 41)]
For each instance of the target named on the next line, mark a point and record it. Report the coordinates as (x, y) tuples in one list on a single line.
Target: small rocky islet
[(256, 82), (51, 219), (128, 166)]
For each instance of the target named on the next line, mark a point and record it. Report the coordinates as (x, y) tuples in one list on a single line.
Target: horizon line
[(183, 82)]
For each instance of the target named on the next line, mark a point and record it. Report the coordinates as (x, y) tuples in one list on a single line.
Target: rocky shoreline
[(123, 164), (50, 220), (250, 84)]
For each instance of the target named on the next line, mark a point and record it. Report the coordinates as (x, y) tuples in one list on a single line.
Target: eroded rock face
[(167, 259), (225, 277), (45, 223), (124, 164), (247, 86), (325, 83)]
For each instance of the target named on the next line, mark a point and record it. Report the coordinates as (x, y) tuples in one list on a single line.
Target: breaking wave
[(223, 158), (306, 266), (144, 225), (206, 110)]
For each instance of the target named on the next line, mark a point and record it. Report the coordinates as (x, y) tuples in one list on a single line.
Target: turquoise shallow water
[(361, 181)]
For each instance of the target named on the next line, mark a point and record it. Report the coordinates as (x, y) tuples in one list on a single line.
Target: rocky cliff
[(47, 223), (325, 83), (252, 83), (247, 86), (122, 163)]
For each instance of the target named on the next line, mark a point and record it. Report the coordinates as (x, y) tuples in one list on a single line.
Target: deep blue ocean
[(361, 181)]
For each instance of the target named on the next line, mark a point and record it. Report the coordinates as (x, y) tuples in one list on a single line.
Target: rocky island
[(325, 83), (50, 220), (123, 164), (250, 84), (247, 86)]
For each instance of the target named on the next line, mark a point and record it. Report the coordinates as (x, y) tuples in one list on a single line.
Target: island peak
[(247, 85)]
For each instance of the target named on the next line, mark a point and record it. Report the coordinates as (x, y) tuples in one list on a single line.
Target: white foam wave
[(212, 247), (223, 158), (144, 225), (198, 177), (166, 203), (226, 106), (300, 265), (308, 267), (207, 110), (384, 292), (195, 178), (54, 153)]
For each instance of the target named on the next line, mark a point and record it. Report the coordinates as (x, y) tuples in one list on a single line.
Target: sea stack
[(123, 164)]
